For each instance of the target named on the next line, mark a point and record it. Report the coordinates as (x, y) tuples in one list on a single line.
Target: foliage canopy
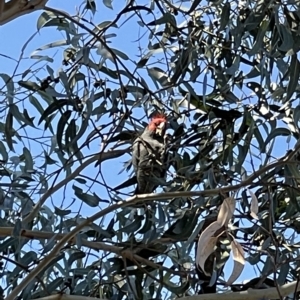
[(226, 73)]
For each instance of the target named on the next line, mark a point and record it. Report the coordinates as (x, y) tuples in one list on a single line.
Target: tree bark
[(17, 8)]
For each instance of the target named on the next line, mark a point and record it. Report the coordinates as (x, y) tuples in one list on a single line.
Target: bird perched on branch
[(149, 157)]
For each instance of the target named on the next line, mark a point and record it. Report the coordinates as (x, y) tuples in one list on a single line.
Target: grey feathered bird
[(149, 155)]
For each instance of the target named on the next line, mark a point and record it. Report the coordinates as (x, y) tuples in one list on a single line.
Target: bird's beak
[(160, 129)]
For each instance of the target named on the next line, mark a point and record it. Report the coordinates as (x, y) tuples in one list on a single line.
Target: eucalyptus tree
[(225, 73)]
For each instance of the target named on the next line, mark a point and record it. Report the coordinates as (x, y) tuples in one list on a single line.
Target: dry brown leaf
[(206, 251), (238, 262), (205, 243), (226, 211), (253, 206)]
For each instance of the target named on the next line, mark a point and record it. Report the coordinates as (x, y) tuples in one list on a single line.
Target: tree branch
[(251, 294), (98, 157), (163, 196), (16, 8), (68, 297), (136, 200), (33, 234)]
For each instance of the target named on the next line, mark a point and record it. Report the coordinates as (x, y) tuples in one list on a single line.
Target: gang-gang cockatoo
[(149, 155)]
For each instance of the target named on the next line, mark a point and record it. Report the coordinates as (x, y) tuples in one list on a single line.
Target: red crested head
[(158, 123)]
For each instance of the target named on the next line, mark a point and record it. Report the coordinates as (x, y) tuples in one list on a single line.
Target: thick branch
[(251, 294), (33, 234), (16, 8), (68, 297)]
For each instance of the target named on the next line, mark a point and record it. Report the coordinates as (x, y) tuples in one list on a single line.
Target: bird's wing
[(136, 153), (141, 153)]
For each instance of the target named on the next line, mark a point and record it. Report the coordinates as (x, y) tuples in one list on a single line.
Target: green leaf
[(91, 5), (258, 45), (294, 70), (52, 286), (28, 160), (48, 19), (224, 16), (61, 212), (276, 132), (17, 229), (36, 104), (28, 258), (91, 200), (283, 271), (234, 67), (61, 126), (70, 133), (81, 180), (83, 127), (108, 3), (53, 262), (296, 114), (109, 72), (19, 116), (4, 245), (148, 222), (75, 256), (40, 58), (65, 81), (259, 139), (142, 62), (3, 152), (204, 87), (166, 18), (189, 243), (287, 41), (56, 105), (177, 289), (120, 54), (9, 131), (159, 75), (133, 226), (10, 87), (29, 120), (49, 244), (194, 5), (29, 85), (50, 71)]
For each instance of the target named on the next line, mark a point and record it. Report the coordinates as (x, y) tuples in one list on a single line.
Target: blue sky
[(20, 30)]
